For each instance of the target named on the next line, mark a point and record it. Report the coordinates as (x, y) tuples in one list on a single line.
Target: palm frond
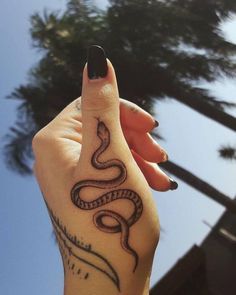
[(17, 150), (227, 152)]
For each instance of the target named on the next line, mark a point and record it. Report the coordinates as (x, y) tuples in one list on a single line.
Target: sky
[(30, 260)]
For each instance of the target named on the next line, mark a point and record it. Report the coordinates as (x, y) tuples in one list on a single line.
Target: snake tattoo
[(122, 225)]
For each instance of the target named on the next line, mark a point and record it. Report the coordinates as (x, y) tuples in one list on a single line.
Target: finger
[(134, 117), (145, 146), (131, 116), (99, 89), (155, 177), (100, 102), (58, 144), (67, 124)]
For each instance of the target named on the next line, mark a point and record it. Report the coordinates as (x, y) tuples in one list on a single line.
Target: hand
[(98, 199)]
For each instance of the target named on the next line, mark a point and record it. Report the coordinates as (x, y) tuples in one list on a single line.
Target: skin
[(63, 151)]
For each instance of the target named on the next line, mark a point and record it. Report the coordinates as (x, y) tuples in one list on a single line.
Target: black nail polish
[(164, 156), (97, 63), (173, 184), (156, 124)]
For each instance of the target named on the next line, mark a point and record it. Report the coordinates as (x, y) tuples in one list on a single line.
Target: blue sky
[(29, 258)]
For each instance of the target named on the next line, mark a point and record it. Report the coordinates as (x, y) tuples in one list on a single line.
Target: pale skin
[(63, 151)]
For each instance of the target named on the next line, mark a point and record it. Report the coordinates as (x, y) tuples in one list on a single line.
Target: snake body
[(122, 224)]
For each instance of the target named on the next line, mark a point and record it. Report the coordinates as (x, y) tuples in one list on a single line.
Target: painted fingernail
[(156, 123), (97, 63), (164, 156), (173, 184)]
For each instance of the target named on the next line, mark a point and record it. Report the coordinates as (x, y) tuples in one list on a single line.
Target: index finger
[(134, 117)]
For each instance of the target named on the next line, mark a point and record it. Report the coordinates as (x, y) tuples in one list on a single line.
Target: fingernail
[(156, 124), (97, 63), (164, 156), (173, 184)]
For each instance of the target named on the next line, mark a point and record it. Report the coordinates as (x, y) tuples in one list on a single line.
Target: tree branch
[(200, 185), (208, 110)]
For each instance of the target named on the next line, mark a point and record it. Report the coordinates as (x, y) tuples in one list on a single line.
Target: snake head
[(102, 131)]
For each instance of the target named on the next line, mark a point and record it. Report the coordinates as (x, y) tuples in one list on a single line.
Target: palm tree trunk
[(200, 185), (204, 108)]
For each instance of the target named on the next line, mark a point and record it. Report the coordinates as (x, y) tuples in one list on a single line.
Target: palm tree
[(160, 49)]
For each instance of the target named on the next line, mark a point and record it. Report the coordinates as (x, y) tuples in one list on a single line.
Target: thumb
[(100, 101), (99, 89)]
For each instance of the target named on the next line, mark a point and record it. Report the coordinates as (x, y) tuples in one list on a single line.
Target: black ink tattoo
[(73, 249), (123, 225), (134, 109), (86, 276), (78, 104)]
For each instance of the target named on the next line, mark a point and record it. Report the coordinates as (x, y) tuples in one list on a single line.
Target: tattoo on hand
[(122, 225), (75, 252)]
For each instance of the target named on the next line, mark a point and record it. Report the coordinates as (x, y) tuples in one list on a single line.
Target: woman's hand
[(87, 164)]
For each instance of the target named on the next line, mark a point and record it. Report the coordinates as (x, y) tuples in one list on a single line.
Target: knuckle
[(103, 97), (36, 139), (39, 139)]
